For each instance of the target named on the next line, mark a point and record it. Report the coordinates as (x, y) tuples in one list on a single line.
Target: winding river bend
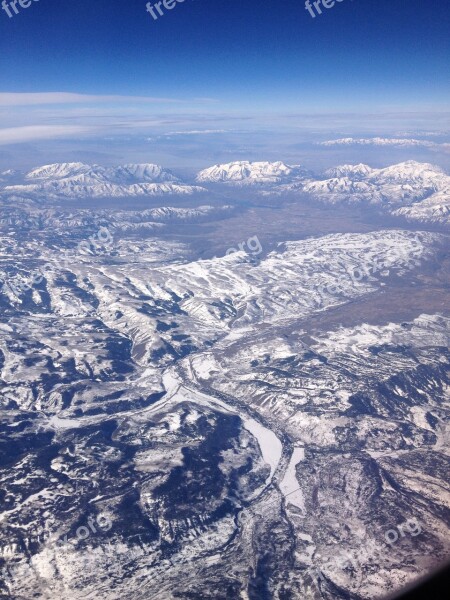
[(270, 445)]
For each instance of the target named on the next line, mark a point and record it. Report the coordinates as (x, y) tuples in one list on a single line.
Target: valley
[(251, 423)]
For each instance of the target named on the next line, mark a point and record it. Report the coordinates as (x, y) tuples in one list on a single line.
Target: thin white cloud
[(378, 141), (29, 99), (17, 135), (197, 132)]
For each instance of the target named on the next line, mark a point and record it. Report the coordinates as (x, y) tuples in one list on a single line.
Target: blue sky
[(376, 51), (214, 64)]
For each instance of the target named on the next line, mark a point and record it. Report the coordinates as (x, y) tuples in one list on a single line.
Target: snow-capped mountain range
[(249, 173), (79, 180), (125, 174), (412, 190), (416, 191)]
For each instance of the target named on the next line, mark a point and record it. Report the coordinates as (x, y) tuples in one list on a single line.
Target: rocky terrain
[(190, 414)]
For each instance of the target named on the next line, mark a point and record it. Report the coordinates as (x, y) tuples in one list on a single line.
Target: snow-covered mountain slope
[(66, 188), (138, 173), (308, 273), (395, 378), (79, 180), (339, 189), (212, 297), (434, 209), (413, 190), (121, 220), (411, 172), (407, 181), (126, 174), (150, 294), (249, 173), (251, 425), (418, 191), (60, 171), (220, 414), (353, 171)]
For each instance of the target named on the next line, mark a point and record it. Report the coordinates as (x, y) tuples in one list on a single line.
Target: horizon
[(255, 81)]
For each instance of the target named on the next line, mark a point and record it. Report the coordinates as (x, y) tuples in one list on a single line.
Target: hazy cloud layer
[(377, 141), (15, 135), (61, 126), (30, 99)]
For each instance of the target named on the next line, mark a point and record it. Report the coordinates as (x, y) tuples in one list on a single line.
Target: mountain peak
[(247, 172)]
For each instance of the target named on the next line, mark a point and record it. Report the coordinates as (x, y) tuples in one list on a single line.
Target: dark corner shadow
[(431, 587)]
